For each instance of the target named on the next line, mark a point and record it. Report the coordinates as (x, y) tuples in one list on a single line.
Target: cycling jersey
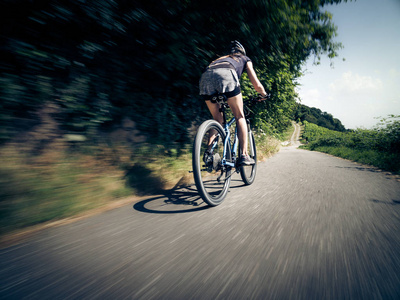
[(237, 61)]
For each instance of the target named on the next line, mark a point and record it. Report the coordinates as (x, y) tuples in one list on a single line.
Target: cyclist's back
[(237, 62)]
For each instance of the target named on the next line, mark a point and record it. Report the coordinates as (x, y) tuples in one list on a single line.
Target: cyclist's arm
[(254, 79)]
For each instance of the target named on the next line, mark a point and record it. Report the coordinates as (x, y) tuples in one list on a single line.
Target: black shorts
[(234, 93)]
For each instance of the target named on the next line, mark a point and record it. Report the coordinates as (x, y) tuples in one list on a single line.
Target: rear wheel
[(248, 173), (211, 177)]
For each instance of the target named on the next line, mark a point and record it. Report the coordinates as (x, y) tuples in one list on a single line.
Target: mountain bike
[(214, 157)]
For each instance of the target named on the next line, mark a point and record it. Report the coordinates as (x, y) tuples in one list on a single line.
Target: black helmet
[(237, 47)]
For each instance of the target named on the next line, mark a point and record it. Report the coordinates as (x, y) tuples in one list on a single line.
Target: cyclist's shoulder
[(242, 59), (246, 58)]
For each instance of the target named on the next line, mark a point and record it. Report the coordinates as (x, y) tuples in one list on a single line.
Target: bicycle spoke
[(212, 179)]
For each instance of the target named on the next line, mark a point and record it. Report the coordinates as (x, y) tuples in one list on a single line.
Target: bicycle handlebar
[(253, 100), (260, 98)]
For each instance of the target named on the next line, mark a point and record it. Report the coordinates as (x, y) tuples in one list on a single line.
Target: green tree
[(316, 116), (98, 61)]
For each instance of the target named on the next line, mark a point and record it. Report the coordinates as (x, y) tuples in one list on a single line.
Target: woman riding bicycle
[(222, 77)]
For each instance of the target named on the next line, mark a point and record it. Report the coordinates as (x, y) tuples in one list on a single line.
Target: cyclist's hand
[(264, 97)]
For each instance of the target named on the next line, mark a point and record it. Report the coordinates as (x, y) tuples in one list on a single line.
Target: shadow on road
[(176, 200), (360, 168), (236, 183), (372, 169), (394, 202)]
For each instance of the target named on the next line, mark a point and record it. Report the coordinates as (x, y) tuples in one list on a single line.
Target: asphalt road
[(311, 227)]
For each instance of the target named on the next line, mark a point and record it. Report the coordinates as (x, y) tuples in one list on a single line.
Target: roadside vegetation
[(61, 183), (379, 147)]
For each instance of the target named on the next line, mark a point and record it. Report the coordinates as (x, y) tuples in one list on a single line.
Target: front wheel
[(248, 173), (211, 177)]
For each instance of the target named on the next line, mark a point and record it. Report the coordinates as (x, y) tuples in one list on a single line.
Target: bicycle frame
[(220, 157), (228, 140)]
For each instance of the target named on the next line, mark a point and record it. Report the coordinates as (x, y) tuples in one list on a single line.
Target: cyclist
[(222, 76)]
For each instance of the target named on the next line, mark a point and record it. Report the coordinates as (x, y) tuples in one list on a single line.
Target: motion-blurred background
[(99, 99)]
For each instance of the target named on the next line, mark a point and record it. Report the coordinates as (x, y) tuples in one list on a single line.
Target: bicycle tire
[(211, 190), (248, 173)]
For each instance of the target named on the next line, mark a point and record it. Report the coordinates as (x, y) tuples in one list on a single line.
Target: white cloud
[(311, 97), (355, 98), (350, 83)]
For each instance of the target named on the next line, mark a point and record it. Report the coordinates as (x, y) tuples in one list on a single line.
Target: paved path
[(311, 227), (294, 140)]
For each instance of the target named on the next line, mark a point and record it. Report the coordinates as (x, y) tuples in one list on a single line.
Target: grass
[(266, 145), (58, 184), (43, 189), (377, 147), (382, 160)]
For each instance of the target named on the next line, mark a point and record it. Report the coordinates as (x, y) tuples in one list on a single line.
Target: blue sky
[(366, 85)]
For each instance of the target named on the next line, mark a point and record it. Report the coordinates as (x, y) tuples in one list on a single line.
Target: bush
[(378, 147)]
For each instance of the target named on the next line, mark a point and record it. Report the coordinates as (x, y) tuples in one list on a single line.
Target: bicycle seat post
[(222, 110), (221, 100)]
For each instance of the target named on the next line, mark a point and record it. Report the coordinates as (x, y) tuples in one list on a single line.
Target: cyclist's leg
[(236, 105), (214, 110), (217, 115)]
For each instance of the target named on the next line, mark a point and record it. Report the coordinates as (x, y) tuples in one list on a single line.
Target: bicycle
[(214, 157)]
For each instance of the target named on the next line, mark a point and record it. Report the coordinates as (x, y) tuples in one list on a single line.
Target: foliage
[(99, 61), (379, 146), (316, 116), (389, 132)]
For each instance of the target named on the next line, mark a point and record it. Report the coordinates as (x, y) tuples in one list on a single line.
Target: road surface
[(312, 226)]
